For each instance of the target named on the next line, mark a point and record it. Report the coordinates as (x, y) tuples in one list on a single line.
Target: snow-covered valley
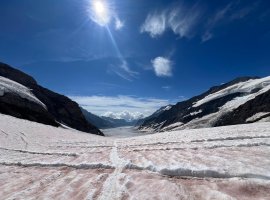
[(122, 132), (44, 162)]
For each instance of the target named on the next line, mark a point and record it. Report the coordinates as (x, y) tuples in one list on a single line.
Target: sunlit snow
[(39, 161)]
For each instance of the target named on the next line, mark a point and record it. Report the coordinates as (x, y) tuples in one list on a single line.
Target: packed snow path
[(43, 162)]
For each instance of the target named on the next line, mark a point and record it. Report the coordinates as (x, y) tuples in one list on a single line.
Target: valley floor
[(122, 132), (43, 162)]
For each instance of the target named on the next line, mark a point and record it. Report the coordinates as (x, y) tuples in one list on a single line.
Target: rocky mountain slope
[(96, 120), (243, 100), (22, 97), (154, 115)]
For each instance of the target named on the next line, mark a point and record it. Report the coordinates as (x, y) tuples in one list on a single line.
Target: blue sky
[(126, 58)]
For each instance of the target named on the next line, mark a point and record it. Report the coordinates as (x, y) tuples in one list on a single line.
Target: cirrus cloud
[(181, 20), (188, 21)]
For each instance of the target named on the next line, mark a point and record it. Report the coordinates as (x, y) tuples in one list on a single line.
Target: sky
[(127, 58)]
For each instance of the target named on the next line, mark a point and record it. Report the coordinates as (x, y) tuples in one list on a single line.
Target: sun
[(99, 8), (100, 12)]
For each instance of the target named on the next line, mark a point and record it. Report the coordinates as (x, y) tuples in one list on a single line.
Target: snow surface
[(242, 87), (44, 162), (257, 116), (9, 86), (262, 86), (167, 108)]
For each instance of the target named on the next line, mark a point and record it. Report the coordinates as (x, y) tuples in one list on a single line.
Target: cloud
[(124, 71), (227, 14), (126, 115), (127, 69), (181, 20), (214, 20), (190, 21), (118, 24), (155, 24), (162, 66), (207, 36), (167, 87), (120, 105)]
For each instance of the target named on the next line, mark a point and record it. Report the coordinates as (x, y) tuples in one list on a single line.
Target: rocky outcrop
[(59, 108)]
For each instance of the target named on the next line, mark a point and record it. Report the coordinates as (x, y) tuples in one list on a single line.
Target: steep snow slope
[(231, 103), (9, 86), (38, 161), (260, 85)]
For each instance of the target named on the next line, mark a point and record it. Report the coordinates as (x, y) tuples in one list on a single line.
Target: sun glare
[(99, 8), (100, 12)]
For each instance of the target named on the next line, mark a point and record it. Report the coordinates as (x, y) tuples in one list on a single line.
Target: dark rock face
[(14, 105), (239, 116), (184, 111), (60, 109), (96, 120)]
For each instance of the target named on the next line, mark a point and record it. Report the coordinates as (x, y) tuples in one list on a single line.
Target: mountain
[(154, 115), (106, 122), (243, 100), (119, 122), (96, 120), (22, 97)]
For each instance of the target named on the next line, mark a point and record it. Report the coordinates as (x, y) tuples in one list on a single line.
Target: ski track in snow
[(44, 162)]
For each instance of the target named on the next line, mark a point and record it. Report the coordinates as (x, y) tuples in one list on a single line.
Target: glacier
[(44, 162)]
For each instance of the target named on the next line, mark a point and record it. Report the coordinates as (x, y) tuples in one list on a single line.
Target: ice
[(9, 86), (39, 161)]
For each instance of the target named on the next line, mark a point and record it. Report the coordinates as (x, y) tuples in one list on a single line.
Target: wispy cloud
[(189, 21), (214, 20), (167, 87), (227, 14), (181, 20), (118, 24), (124, 71), (155, 24), (162, 66), (101, 105)]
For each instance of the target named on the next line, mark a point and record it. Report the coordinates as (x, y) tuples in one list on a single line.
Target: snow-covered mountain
[(243, 100), (103, 122), (154, 115), (22, 97)]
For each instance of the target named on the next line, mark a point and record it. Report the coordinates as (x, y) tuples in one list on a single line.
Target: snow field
[(44, 162)]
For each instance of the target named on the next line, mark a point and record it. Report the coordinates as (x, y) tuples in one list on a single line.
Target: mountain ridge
[(103, 122), (215, 107), (59, 108)]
